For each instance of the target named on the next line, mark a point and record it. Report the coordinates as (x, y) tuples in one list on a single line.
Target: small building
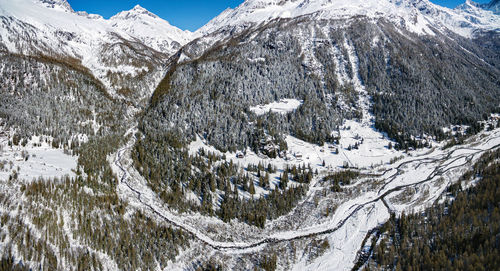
[(240, 155)]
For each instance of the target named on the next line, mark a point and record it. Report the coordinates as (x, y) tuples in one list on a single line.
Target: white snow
[(56, 30), (284, 106), (257, 60), (42, 161), (415, 16)]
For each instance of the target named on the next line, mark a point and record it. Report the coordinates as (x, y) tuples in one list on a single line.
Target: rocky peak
[(61, 4), (137, 11)]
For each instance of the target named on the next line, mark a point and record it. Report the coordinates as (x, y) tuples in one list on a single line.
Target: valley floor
[(325, 231), (343, 219)]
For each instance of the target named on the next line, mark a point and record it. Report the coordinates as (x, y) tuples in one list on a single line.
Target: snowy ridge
[(418, 16), (52, 28), (150, 29)]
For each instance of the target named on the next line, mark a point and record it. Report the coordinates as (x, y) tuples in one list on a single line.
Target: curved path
[(443, 166)]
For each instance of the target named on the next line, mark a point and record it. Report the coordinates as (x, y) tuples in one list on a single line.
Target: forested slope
[(461, 234)]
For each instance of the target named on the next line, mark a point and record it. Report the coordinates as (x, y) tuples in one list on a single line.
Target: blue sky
[(185, 14)]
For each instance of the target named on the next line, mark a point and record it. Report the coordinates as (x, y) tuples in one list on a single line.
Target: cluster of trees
[(96, 219), (340, 178), (44, 96), (270, 168), (208, 175), (300, 174), (462, 234), (269, 262), (256, 211)]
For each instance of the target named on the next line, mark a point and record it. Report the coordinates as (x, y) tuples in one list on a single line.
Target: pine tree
[(251, 189), (284, 180)]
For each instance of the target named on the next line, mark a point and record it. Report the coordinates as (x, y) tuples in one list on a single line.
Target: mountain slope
[(332, 74), (120, 52), (279, 138), (412, 77), (413, 15)]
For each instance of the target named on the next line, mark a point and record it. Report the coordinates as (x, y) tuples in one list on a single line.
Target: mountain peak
[(473, 7), (57, 4), (138, 8), (134, 12)]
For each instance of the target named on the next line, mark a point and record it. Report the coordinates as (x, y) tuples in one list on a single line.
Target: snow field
[(284, 106), (414, 17), (36, 159)]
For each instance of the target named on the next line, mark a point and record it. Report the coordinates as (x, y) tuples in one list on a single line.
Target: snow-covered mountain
[(418, 16), (494, 6), (480, 14), (280, 136), (131, 44), (150, 29)]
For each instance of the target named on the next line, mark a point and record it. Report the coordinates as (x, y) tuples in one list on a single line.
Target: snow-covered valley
[(369, 202), (282, 135)]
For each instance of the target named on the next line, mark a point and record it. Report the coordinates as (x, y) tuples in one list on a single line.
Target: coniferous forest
[(282, 135), (461, 234)]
